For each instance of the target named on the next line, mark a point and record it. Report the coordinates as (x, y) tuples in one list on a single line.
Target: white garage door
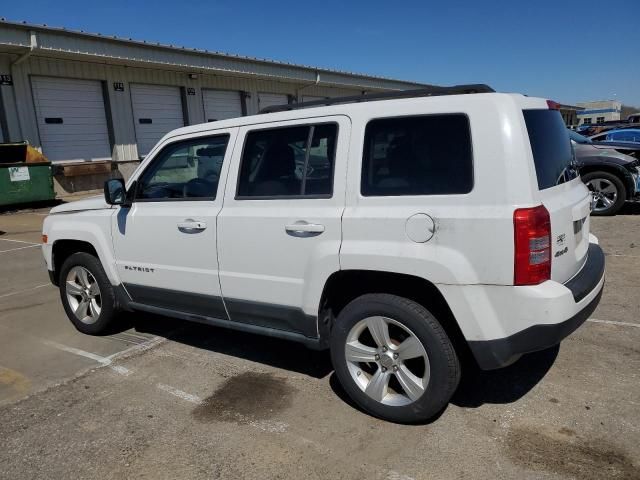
[(71, 119), (157, 109), (269, 99), (221, 104), (310, 98)]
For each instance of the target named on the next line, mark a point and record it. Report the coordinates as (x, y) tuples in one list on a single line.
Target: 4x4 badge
[(561, 252)]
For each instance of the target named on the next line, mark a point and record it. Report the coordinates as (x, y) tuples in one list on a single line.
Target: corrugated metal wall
[(20, 109)]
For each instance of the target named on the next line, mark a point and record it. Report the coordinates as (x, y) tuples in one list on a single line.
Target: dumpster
[(25, 175)]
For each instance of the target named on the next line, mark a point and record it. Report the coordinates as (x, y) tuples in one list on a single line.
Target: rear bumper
[(502, 323), (492, 354)]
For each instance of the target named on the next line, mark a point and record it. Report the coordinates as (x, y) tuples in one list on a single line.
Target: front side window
[(288, 162), (189, 169), (424, 155)]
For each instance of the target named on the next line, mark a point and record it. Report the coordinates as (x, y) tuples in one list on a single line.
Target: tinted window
[(291, 161), (188, 169), (426, 155), (625, 136), (552, 152)]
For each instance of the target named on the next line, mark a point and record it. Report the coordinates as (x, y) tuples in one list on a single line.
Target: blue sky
[(566, 50)]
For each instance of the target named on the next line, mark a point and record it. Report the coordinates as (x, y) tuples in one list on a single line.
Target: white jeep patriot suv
[(399, 230)]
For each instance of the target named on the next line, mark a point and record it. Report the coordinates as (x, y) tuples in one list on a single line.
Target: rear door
[(280, 228), (157, 109), (561, 190)]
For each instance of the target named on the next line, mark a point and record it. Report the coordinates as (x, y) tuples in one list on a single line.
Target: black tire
[(443, 361), (621, 194), (108, 310)]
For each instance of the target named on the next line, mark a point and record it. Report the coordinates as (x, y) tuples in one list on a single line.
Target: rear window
[(424, 155), (552, 152)]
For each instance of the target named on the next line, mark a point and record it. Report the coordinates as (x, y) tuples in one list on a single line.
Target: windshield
[(576, 137), (551, 148)]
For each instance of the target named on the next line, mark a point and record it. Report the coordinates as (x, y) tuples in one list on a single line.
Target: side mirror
[(115, 192)]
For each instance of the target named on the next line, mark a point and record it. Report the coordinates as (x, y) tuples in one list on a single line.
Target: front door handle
[(192, 226), (304, 229)]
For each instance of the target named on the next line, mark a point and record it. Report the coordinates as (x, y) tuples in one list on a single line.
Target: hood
[(92, 203), (588, 153), (617, 145)]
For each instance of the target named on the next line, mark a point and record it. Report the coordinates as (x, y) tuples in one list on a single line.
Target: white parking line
[(612, 322), (179, 393), (25, 290), (18, 241), (141, 347), (20, 248), (106, 361), (622, 255)]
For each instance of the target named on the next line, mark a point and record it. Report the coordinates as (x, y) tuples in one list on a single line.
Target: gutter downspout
[(310, 85), (32, 47)]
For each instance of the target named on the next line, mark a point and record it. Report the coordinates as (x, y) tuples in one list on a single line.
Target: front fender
[(90, 227)]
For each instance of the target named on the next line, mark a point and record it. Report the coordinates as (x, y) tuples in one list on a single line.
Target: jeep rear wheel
[(393, 358)]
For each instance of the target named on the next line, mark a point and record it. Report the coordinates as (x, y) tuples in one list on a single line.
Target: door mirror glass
[(115, 191)]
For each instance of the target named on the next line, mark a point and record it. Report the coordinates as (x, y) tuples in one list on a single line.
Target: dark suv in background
[(612, 176)]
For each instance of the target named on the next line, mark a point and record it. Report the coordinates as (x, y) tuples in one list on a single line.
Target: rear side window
[(422, 155), (552, 152), (288, 162)]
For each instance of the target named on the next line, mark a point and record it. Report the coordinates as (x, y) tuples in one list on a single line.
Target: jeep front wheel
[(87, 295)]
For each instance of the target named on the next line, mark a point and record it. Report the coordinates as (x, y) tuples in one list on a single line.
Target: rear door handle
[(304, 229), (192, 226)]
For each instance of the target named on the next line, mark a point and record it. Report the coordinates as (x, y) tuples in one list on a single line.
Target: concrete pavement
[(166, 399)]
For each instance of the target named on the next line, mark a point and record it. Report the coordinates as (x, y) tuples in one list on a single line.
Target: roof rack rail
[(432, 91)]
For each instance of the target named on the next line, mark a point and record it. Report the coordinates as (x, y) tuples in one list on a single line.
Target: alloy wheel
[(387, 361), (604, 193), (83, 295)]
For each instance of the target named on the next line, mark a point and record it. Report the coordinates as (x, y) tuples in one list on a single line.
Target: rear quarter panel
[(473, 240)]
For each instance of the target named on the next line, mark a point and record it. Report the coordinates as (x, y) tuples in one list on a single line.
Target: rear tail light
[(532, 235)]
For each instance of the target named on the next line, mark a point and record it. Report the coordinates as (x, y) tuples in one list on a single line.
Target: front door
[(165, 244), (280, 228)]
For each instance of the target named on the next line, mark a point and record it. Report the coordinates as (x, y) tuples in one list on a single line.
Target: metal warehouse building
[(95, 104)]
